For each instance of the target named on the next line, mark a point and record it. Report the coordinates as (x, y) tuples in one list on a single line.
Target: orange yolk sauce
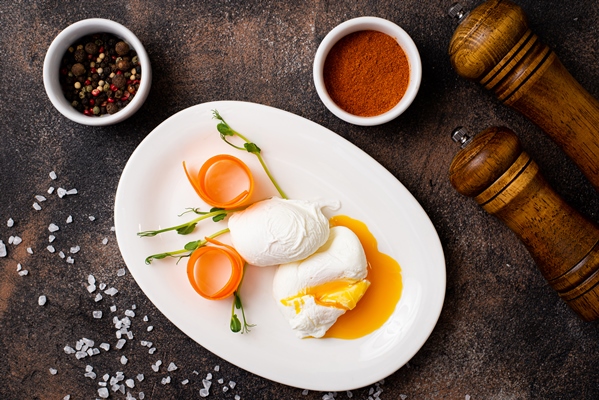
[(379, 301)]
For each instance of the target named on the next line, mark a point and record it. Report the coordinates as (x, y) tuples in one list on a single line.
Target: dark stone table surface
[(503, 332)]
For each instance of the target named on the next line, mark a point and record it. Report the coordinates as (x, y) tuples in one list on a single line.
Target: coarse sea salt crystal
[(102, 286), (17, 240), (75, 249), (69, 219), (166, 380), (29, 250), (53, 227), (72, 191), (184, 381), (103, 393), (120, 343), (40, 198), (105, 241), (53, 175), (105, 346), (36, 206), (141, 395), (124, 360), (171, 367), (92, 218), (130, 383), (53, 371), (204, 392), (61, 192), (19, 267), (61, 254), (70, 260), (51, 248), (51, 190), (130, 313), (3, 251), (10, 223), (97, 314), (305, 392), (98, 297), (112, 308), (111, 292), (67, 397), (51, 238), (120, 272), (23, 273), (69, 350), (140, 377), (152, 350), (150, 328), (41, 300)]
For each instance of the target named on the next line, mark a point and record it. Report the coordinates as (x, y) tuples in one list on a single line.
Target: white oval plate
[(309, 162)]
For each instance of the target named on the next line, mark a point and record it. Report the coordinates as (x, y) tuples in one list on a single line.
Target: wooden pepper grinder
[(494, 46), (507, 183)]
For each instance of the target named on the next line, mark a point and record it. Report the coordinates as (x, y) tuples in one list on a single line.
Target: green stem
[(191, 224)]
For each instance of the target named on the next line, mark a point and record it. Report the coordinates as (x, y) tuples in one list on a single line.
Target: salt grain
[(67, 397), (105, 241), (467, 397), (10, 223), (70, 260), (51, 248), (19, 267), (152, 350), (80, 354), (17, 240), (112, 308), (51, 238), (61, 254), (349, 394), (69, 219), (61, 192), (305, 392), (141, 396), (124, 360), (225, 389), (171, 367), (36, 206), (121, 342), (217, 368), (166, 380), (157, 365), (145, 318), (221, 381), (69, 350), (130, 313), (72, 191), (102, 286), (53, 175), (91, 375), (98, 297), (130, 383), (41, 300), (105, 346), (53, 227), (3, 252), (23, 273), (91, 288), (92, 218), (150, 328), (121, 272), (111, 292), (40, 198), (53, 371), (75, 249), (204, 392), (185, 382), (29, 250), (50, 190), (140, 377), (103, 393), (97, 314), (232, 384)]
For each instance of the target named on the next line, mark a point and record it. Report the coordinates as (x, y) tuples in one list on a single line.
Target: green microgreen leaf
[(252, 148), (235, 324), (187, 229)]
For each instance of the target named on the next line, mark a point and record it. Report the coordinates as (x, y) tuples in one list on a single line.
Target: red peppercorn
[(92, 102), (119, 72), (93, 70), (95, 92), (88, 111), (88, 82), (129, 81), (90, 56), (101, 49), (111, 100), (113, 88)]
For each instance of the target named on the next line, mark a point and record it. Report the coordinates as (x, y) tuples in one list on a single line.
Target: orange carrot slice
[(223, 181), (215, 272)]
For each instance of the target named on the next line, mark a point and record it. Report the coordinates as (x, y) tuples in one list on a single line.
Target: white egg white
[(278, 231), (340, 258)]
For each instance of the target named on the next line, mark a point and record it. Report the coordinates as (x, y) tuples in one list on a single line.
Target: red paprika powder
[(366, 73)]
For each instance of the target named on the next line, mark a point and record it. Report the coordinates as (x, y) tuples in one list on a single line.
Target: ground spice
[(366, 73)]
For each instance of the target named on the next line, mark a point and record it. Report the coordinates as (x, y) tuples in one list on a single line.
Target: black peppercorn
[(111, 108), (91, 48), (119, 81), (79, 55)]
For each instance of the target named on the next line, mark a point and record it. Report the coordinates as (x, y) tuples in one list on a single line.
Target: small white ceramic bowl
[(54, 57), (364, 24)]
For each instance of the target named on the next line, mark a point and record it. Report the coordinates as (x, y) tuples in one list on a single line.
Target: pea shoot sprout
[(217, 214), (225, 130)]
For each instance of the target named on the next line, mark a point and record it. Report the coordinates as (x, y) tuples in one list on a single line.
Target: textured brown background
[(503, 333)]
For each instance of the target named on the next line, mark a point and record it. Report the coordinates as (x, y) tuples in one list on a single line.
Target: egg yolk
[(379, 301), (344, 294)]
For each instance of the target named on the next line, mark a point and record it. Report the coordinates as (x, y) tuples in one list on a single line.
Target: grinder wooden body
[(494, 46), (507, 183)]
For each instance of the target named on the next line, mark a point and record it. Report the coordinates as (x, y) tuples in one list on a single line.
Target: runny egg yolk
[(344, 294), (379, 301)]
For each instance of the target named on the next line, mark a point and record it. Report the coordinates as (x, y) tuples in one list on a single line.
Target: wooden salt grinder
[(507, 183), (494, 46)]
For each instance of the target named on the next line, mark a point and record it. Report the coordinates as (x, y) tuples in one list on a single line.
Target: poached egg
[(312, 293), (278, 231)]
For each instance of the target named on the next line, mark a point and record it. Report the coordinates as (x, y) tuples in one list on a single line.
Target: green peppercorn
[(96, 110)]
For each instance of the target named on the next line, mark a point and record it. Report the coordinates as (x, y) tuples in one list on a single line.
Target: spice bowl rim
[(376, 24), (60, 45)]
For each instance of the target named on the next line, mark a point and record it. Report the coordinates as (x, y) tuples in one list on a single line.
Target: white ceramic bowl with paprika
[(59, 47), (406, 44)]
